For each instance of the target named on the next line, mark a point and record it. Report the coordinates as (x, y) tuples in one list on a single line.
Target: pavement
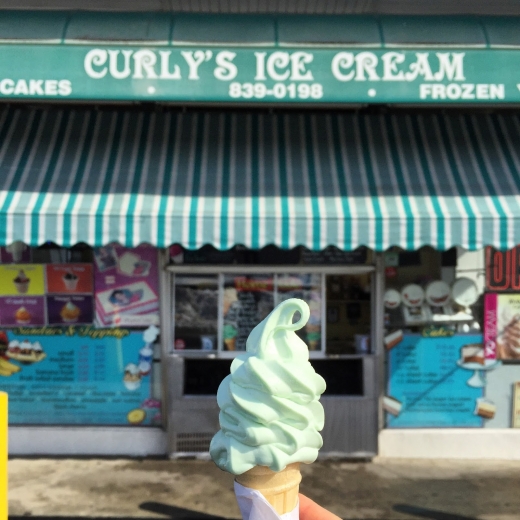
[(66, 489)]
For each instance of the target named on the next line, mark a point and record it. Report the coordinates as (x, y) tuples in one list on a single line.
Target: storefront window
[(78, 336), (348, 314), (451, 334), (196, 312), (247, 301)]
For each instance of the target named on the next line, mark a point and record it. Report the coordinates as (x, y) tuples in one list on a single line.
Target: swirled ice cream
[(270, 414)]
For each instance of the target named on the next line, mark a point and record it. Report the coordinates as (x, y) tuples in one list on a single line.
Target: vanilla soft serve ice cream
[(270, 414)]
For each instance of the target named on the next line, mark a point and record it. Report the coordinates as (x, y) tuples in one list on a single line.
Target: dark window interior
[(343, 376)]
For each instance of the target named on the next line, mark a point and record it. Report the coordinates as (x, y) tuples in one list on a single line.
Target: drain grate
[(193, 442)]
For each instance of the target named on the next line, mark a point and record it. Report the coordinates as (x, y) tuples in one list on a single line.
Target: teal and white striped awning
[(76, 175)]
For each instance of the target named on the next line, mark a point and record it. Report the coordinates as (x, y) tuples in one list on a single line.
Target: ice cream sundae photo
[(16, 250), (70, 313), (132, 377), (508, 342), (21, 282), (25, 352), (70, 281), (22, 316), (270, 414)]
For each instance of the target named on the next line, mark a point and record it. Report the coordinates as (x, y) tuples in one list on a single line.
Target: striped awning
[(101, 176)]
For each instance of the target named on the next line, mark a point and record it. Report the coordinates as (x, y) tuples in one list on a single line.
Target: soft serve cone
[(270, 414), (279, 488)]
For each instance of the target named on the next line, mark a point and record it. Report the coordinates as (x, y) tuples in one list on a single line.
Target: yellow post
[(3, 456)]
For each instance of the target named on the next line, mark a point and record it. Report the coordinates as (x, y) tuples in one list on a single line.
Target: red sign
[(390, 272), (503, 270)]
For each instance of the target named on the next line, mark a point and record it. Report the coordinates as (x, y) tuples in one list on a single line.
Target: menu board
[(22, 279), (126, 286), (431, 384), (247, 301), (77, 375), (306, 287), (22, 295), (69, 279), (55, 294)]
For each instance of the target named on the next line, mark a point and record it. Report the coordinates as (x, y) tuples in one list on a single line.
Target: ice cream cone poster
[(22, 279), (22, 311), (502, 326), (15, 253), (69, 278), (70, 310)]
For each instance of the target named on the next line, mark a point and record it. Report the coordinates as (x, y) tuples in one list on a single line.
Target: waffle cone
[(279, 488)]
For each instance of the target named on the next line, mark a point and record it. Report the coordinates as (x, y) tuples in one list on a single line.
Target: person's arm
[(309, 510)]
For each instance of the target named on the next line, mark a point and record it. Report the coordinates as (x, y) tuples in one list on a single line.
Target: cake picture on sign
[(473, 353), (119, 304), (472, 357), (508, 343), (485, 408), (270, 415), (126, 284)]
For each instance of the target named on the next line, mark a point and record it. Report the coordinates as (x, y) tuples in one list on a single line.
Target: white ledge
[(456, 443)]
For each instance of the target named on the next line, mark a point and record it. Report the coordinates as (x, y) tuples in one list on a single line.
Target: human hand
[(309, 510)]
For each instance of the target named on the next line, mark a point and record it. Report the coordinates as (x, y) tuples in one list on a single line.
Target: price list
[(76, 380), (425, 377)]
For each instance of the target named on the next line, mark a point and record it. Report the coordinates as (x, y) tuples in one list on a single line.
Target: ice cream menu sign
[(54, 294), (76, 375), (22, 294), (436, 382)]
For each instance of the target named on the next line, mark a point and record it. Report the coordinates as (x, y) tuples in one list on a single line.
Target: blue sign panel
[(77, 375), (430, 384)]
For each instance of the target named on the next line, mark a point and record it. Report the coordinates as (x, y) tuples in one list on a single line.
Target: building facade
[(167, 178)]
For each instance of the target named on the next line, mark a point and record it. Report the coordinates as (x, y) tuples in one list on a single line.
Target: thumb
[(309, 510)]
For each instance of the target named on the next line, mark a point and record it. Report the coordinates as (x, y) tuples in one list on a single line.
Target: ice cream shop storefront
[(250, 160)]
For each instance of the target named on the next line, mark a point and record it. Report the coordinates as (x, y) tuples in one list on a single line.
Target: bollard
[(3, 456)]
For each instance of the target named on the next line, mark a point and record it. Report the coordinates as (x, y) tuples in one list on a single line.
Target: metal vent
[(193, 442)]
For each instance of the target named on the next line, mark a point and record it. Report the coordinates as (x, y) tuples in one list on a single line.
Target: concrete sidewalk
[(193, 489)]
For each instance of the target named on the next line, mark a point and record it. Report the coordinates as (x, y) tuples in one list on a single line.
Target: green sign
[(259, 75)]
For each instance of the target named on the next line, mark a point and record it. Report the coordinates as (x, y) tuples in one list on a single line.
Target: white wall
[(84, 440), (467, 443)]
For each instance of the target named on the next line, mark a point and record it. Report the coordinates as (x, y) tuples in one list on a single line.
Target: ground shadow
[(169, 512), (176, 513), (422, 512)]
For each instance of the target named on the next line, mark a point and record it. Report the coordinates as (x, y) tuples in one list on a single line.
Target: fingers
[(309, 510)]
